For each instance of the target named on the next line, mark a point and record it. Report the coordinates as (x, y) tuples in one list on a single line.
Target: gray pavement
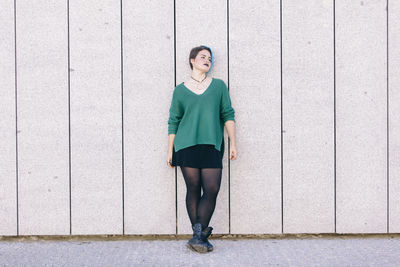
[(337, 251)]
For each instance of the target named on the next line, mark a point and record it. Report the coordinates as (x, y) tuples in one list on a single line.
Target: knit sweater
[(200, 118)]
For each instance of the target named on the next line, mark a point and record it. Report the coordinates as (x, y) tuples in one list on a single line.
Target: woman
[(200, 109)]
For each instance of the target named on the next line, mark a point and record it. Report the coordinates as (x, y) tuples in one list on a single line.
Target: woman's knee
[(211, 190), (193, 187)]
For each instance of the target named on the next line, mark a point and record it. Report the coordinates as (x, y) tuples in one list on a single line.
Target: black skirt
[(198, 156)]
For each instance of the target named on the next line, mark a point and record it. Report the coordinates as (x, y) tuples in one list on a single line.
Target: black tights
[(201, 209)]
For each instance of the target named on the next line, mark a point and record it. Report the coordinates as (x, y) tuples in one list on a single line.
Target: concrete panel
[(394, 116), (198, 23), (42, 95), (361, 117), (254, 66), (96, 119), (8, 193), (308, 117), (148, 36)]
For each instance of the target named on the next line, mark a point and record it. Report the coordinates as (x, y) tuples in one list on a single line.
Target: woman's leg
[(193, 191), (211, 182)]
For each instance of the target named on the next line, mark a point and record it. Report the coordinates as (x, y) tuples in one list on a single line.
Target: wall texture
[(85, 88)]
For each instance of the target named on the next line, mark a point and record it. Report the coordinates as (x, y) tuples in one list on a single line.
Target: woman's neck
[(198, 75)]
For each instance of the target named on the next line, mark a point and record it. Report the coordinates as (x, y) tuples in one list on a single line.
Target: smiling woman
[(200, 108)]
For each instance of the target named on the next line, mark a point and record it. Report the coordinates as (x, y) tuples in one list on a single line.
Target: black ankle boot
[(196, 243), (204, 235)]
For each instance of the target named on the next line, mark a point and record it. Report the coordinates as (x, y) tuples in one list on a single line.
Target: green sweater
[(200, 119)]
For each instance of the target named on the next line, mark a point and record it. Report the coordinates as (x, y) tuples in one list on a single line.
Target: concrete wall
[(85, 88)]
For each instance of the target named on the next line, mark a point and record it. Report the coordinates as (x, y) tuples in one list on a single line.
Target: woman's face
[(202, 61)]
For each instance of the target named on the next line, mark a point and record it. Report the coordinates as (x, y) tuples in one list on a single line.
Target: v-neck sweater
[(200, 118)]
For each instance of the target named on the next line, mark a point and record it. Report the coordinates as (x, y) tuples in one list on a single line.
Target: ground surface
[(371, 251)]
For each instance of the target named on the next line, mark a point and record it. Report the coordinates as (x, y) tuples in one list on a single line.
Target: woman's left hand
[(232, 152)]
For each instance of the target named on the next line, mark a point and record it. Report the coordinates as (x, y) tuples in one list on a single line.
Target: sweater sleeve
[(226, 110), (175, 114)]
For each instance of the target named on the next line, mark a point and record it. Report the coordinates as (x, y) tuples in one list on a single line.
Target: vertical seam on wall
[(281, 63), (16, 113), (69, 122), (122, 125), (229, 165), (387, 113), (334, 111), (176, 174)]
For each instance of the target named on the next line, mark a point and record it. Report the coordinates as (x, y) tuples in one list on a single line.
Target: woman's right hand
[(169, 159)]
